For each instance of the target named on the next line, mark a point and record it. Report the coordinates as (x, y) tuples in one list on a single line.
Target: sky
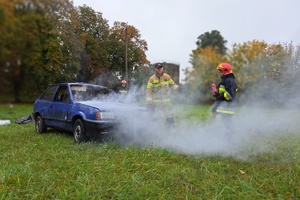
[(171, 27)]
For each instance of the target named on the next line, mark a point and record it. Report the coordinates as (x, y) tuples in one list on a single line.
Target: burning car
[(86, 110)]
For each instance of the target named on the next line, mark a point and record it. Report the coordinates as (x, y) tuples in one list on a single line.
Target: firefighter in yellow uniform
[(158, 93)]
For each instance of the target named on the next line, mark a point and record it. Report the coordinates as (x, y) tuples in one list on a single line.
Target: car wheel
[(79, 131), (40, 125)]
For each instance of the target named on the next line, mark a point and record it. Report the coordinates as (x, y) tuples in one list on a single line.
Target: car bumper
[(94, 128)]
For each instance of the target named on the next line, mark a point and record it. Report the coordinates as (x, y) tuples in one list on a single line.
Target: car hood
[(113, 106)]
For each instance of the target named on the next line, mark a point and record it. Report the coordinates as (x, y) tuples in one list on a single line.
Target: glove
[(219, 96)]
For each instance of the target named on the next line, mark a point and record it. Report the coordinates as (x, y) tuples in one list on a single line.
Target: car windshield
[(89, 93)]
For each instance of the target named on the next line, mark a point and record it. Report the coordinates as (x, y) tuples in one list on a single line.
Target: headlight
[(104, 115)]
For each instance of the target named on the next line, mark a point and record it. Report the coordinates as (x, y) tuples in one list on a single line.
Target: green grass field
[(51, 166)]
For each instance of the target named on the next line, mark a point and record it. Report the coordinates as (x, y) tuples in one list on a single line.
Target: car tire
[(40, 125), (79, 131)]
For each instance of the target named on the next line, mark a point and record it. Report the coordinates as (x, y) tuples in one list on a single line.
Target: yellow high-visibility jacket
[(158, 89)]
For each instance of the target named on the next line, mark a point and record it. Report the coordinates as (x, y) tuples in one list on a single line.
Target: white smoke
[(257, 125), (255, 130)]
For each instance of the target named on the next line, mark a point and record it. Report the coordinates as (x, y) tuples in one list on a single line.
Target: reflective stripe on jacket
[(222, 90), (227, 88), (225, 108), (158, 88), (122, 90)]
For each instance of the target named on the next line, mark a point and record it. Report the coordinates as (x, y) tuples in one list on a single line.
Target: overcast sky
[(171, 27)]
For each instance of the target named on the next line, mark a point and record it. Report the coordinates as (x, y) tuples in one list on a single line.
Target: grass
[(51, 166)]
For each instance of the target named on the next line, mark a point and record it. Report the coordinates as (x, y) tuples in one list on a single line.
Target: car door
[(58, 110), (44, 102)]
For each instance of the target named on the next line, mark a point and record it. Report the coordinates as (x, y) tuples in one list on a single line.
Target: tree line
[(266, 74), (48, 41)]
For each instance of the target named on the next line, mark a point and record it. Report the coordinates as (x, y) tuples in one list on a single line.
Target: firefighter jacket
[(158, 89), (226, 95), (122, 90)]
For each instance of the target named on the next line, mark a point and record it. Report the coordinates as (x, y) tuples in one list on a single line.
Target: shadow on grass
[(101, 138)]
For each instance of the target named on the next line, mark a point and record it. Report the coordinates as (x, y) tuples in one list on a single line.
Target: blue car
[(87, 110)]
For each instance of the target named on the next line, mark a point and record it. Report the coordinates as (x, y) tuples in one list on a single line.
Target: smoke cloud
[(257, 123), (253, 128)]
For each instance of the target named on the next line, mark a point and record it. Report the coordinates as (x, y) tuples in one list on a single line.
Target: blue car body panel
[(61, 104)]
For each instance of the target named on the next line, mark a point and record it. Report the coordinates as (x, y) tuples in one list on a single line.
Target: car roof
[(79, 83)]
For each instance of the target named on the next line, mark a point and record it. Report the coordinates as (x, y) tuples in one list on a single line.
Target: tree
[(203, 73), (93, 31), (209, 53), (120, 34), (249, 61), (213, 39), (35, 42), (44, 42), (261, 70), (265, 72)]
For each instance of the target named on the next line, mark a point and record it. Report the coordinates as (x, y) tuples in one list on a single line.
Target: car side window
[(62, 94), (47, 95)]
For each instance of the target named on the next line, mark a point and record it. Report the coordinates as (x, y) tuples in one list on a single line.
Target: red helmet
[(123, 82), (225, 68)]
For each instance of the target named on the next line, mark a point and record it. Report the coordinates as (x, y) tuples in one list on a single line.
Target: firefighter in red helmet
[(225, 94)]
